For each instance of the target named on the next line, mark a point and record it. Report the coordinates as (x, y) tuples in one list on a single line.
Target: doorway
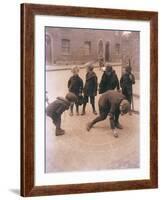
[(107, 52), (48, 50)]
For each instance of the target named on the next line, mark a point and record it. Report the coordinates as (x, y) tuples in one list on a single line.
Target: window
[(48, 50), (65, 46), (117, 48), (100, 48), (87, 48)]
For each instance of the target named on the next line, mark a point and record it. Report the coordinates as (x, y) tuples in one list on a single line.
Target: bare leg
[(101, 117), (71, 109)]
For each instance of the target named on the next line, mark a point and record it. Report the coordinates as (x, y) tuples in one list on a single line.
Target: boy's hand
[(130, 76), (115, 133)]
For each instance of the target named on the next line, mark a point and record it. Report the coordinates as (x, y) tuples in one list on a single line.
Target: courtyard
[(79, 150)]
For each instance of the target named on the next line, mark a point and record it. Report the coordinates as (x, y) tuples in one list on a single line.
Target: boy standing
[(55, 109), (109, 80), (90, 89), (75, 85), (126, 82)]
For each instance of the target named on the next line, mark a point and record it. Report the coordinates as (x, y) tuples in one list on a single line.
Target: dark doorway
[(100, 48), (107, 52), (48, 50)]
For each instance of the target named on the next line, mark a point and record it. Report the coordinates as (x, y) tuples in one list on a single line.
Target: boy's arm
[(81, 86), (69, 83), (112, 109), (117, 82), (112, 120), (101, 84), (133, 79), (121, 82), (60, 109), (96, 85)]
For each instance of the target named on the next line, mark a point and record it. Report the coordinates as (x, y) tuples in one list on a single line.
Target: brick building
[(79, 46)]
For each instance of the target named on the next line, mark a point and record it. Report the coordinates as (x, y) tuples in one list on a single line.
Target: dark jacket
[(110, 101), (75, 85), (57, 107), (90, 88), (109, 81), (126, 82)]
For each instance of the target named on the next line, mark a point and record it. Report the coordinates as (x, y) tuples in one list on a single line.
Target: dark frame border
[(28, 12)]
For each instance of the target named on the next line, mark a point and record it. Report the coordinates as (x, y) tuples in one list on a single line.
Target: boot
[(77, 110), (130, 112), (71, 113), (94, 110), (118, 125), (89, 126), (83, 111), (71, 110), (59, 132)]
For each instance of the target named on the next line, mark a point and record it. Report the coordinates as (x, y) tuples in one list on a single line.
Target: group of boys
[(111, 103)]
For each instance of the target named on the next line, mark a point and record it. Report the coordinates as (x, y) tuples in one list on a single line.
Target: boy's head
[(124, 107), (75, 70), (128, 69), (89, 68), (71, 97), (108, 69)]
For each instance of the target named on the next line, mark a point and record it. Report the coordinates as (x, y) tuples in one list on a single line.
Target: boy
[(75, 85), (126, 82), (55, 109), (109, 80), (90, 89), (111, 103)]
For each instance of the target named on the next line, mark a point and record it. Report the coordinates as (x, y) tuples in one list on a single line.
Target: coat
[(109, 81), (57, 107), (110, 101), (126, 82), (90, 87), (75, 85)]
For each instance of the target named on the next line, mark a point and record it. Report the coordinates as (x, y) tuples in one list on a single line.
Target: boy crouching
[(112, 104), (55, 109)]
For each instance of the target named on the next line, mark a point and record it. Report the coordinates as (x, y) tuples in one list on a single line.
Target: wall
[(10, 99), (129, 46)]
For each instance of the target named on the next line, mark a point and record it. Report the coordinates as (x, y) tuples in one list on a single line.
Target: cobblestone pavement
[(79, 150)]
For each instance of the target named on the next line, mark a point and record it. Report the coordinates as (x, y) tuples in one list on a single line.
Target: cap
[(71, 97), (90, 67), (128, 68), (125, 106), (108, 68), (75, 69)]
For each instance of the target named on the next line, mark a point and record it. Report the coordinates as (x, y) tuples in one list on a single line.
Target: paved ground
[(95, 150)]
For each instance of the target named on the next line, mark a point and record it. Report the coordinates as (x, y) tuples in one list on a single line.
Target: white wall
[(10, 97)]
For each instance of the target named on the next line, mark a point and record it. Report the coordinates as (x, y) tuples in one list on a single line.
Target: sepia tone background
[(79, 150), (66, 46)]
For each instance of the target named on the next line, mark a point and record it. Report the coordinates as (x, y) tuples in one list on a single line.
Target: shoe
[(83, 113), (119, 126), (94, 112), (89, 126), (71, 113), (115, 134), (130, 112), (59, 132)]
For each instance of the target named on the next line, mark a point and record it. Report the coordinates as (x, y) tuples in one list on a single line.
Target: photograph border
[(28, 13)]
